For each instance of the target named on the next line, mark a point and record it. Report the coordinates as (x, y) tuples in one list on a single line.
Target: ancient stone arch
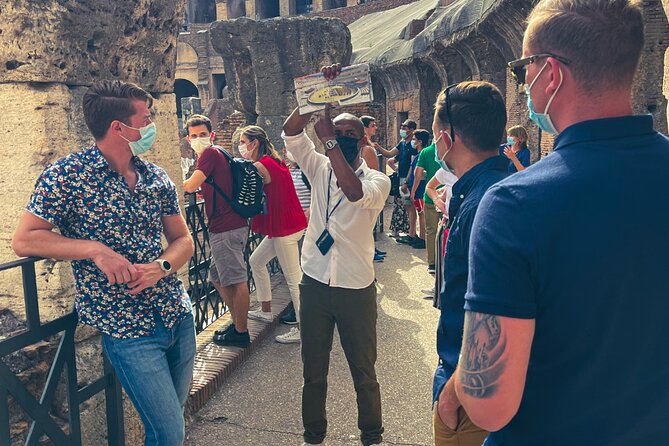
[(187, 63)]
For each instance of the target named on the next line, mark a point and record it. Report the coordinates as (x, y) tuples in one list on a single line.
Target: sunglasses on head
[(518, 66), (448, 110)]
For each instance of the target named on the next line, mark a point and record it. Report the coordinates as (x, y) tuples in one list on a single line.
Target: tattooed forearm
[(481, 363)]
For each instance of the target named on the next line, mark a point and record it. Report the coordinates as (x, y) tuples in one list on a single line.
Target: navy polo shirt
[(406, 152), (467, 193), (579, 242)]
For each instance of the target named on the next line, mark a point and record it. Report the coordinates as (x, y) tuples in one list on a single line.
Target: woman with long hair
[(282, 224)]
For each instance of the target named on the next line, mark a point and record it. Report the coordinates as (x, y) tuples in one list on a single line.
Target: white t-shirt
[(448, 180)]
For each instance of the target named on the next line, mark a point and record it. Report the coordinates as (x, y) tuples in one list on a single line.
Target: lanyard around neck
[(328, 212)]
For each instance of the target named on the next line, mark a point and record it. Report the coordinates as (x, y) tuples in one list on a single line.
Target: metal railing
[(63, 365), (15, 396), (208, 305)]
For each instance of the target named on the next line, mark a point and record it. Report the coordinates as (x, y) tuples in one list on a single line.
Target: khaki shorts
[(227, 253), (465, 434)]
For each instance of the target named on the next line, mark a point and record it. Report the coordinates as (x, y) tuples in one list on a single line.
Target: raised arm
[(296, 123), (490, 377), (385, 152), (348, 181)]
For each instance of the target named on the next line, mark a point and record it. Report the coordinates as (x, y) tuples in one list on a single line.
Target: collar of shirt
[(607, 128), (467, 182), (98, 162)]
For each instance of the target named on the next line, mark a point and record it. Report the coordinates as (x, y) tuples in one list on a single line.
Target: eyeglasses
[(519, 71)]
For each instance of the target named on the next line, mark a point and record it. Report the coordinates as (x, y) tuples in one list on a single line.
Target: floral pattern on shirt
[(85, 199)]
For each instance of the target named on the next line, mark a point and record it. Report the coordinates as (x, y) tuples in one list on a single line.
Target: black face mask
[(349, 147)]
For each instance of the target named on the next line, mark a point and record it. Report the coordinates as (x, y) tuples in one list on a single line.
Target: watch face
[(329, 145), (167, 266)]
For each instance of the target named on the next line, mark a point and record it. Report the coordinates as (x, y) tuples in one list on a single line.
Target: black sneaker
[(233, 338), (379, 252), (289, 318), (431, 268), (407, 240), (418, 243), (223, 331)]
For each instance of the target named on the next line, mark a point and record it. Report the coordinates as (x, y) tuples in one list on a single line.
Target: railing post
[(30, 296), (4, 416), (114, 405)]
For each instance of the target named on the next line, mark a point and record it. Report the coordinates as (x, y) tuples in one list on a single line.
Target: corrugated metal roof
[(377, 38)]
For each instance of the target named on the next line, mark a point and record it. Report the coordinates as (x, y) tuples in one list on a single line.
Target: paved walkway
[(259, 404)]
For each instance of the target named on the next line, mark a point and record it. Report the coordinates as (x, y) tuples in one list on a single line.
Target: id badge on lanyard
[(325, 240)]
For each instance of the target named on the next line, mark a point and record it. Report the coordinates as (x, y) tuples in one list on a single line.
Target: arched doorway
[(184, 89)]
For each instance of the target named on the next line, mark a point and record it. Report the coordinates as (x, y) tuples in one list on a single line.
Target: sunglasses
[(519, 71)]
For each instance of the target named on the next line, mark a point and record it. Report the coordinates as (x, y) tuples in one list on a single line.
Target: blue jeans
[(156, 372)]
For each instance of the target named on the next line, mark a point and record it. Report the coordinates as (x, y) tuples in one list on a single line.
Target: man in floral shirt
[(111, 208)]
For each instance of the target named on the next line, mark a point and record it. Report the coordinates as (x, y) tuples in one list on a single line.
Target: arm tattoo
[(481, 364)]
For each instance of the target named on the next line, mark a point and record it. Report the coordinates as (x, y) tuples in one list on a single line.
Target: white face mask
[(201, 143), (244, 151)]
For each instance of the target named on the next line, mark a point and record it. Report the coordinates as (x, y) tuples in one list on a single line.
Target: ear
[(556, 75), (115, 125)]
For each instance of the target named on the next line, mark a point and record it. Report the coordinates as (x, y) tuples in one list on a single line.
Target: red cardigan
[(284, 212)]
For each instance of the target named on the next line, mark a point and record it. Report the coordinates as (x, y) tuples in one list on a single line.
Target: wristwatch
[(330, 144), (164, 265)]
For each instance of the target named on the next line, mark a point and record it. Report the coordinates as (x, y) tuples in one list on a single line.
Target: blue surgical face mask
[(543, 120), (510, 141), (403, 134), (441, 161), (145, 141), (413, 144)]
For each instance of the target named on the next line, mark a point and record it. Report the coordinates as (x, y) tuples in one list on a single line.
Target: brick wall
[(227, 128), (352, 13)]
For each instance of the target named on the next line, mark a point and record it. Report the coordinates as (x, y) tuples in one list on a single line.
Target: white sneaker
[(313, 444), (428, 291), (292, 337), (259, 315)]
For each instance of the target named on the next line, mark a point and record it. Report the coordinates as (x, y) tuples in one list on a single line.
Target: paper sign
[(352, 86)]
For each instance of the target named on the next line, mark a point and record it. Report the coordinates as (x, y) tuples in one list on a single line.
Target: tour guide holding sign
[(338, 282)]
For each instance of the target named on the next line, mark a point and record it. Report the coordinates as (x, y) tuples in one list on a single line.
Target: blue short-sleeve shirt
[(579, 242), (467, 193), (85, 199)]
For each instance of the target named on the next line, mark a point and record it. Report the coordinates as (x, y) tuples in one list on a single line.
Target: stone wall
[(50, 52), (352, 13), (263, 57)]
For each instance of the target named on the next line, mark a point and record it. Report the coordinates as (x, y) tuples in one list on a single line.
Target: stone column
[(221, 10), (317, 5), (288, 8), (252, 8), (45, 68), (351, 2)]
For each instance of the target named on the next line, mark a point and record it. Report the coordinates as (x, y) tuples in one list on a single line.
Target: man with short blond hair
[(566, 326)]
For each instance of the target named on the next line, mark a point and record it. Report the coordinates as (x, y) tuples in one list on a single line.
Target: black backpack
[(248, 198)]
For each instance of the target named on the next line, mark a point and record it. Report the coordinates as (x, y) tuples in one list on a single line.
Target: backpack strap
[(217, 188)]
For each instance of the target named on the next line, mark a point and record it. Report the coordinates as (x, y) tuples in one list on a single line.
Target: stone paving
[(259, 403)]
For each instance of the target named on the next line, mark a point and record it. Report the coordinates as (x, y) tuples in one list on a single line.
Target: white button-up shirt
[(349, 262)]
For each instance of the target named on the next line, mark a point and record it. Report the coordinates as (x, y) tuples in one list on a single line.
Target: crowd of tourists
[(549, 278)]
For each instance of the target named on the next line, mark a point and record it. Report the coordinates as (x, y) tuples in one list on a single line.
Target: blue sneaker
[(289, 318)]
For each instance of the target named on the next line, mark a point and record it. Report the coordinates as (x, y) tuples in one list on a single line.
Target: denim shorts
[(227, 251)]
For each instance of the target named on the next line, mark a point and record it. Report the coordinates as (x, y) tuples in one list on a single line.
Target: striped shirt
[(303, 192)]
